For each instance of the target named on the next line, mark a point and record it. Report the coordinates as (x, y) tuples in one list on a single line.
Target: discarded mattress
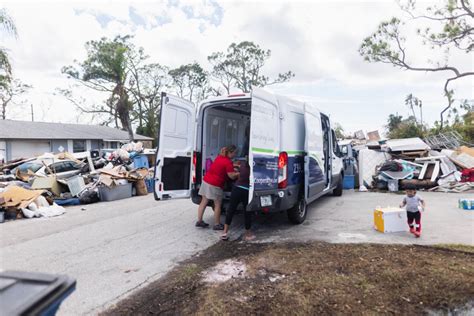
[(368, 161), (407, 144)]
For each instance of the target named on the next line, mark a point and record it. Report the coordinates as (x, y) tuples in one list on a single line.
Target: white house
[(27, 139)]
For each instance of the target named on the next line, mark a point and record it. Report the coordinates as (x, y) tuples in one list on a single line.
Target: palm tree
[(6, 23)]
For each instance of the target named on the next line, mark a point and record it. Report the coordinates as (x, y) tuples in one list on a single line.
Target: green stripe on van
[(265, 150)]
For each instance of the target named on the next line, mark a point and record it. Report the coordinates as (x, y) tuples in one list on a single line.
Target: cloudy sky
[(317, 40)]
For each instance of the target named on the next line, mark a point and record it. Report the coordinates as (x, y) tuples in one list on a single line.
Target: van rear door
[(264, 143), (175, 148), (314, 160)]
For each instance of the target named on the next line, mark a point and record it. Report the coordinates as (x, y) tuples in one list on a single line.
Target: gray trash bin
[(25, 293)]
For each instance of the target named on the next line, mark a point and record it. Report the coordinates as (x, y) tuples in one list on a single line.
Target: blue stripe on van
[(315, 172), (295, 169), (265, 171)]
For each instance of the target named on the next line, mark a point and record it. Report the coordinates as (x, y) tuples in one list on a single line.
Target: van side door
[(175, 148), (315, 172), (264, 142)]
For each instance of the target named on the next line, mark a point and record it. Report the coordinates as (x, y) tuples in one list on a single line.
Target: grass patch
[(314, 278), (456, 247)]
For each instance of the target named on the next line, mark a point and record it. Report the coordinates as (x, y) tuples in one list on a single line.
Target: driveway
[(350, 219), (117, 247)]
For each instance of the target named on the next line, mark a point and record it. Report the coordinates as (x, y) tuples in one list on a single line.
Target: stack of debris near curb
[(396, 164), (28, 186)]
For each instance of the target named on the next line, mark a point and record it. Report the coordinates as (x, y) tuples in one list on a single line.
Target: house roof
[(10, 129)]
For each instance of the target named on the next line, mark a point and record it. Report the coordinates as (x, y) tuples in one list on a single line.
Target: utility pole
[(32, 113)]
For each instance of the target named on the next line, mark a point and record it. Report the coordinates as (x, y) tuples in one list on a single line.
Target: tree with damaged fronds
[(107, 69), (449, 27), (10, 88), (190, 82), (413, 102), (10, 94), (241, 67), (6, 25)]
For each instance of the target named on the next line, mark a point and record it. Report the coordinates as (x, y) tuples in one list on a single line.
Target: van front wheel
[(297, 214)]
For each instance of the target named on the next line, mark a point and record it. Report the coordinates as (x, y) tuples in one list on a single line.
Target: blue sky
[(317, 40)]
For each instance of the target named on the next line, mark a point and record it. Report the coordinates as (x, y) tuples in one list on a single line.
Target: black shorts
[(413, 216)]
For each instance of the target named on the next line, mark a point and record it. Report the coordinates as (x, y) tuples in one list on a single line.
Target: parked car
[(61, 168)]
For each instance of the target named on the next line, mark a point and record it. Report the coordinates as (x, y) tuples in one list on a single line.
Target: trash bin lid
[(32, 293)]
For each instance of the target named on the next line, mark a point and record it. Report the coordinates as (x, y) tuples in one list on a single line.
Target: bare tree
[(453, 29)]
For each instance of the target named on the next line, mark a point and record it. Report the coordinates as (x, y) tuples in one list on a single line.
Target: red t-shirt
[(217, 174)]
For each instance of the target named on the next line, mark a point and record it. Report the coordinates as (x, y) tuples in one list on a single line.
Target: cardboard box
[(390, 220)]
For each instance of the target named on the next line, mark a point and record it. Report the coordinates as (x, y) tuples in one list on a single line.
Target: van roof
[(246, 96), (232, 96)]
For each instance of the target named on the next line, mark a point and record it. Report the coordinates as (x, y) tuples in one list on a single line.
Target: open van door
[(175, 148), (264, 144), (315, 179)]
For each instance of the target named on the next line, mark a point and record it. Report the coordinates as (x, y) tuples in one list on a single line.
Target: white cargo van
[(292, 149)]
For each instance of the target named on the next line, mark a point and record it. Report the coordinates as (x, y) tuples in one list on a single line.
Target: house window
[(78, 146)]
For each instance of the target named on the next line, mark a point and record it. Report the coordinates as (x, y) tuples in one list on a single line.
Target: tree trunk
[(123, 109)]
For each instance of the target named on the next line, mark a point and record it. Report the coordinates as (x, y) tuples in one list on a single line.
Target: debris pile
[(396, 164), (41, 186)]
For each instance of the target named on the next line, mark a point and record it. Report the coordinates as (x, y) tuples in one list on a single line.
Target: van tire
[(339, 189), (297, 214)]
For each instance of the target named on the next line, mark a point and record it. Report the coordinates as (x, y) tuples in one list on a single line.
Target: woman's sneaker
[(202, 224), (218, 227)]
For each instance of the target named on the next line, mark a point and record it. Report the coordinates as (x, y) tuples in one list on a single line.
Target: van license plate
[(266, 200)]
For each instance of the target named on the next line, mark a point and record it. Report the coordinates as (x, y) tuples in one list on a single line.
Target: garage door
[(27, 149)]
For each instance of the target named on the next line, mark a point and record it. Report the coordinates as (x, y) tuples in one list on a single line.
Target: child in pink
[(414, 205)]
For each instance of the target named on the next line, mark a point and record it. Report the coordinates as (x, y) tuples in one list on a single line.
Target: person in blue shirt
[(240, 194)]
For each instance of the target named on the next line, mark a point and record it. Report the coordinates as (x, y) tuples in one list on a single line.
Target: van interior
[(224, 124)]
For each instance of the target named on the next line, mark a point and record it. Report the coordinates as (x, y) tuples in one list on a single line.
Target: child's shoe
[(417, 234), (412, 230)]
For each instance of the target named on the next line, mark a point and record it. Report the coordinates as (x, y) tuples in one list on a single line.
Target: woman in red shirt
[(212, 187)]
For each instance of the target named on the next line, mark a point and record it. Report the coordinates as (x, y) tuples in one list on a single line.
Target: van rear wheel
[(297, 214)]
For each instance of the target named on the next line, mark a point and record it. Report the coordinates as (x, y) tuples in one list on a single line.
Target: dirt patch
[(312, 278), (224, 271)]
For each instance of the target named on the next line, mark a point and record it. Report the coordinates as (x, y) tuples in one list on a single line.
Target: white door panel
[(175, 148)]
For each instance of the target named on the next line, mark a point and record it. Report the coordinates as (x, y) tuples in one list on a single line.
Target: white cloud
[(318, 40)]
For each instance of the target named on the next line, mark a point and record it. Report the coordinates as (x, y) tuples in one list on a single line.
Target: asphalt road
[(117, 247)]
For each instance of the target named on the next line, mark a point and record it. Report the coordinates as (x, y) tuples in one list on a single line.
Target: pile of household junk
[(41, 186), (396, 164)]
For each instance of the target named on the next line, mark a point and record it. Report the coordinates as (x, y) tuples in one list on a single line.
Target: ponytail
[(228, 149)]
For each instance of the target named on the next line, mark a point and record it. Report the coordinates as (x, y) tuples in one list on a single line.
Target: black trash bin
[(25, 293)]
